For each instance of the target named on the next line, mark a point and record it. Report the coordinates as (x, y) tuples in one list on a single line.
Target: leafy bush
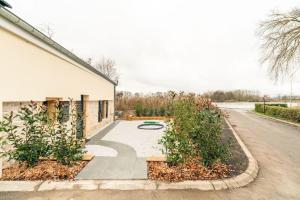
[(6, 127), (162, 111), (194, 132), (259, 107), (141, 110), (150, 112), (138, 109), (30, 141), (278, 104), (207, 138), (65, 147), (38, 136), (291, 114), (145, 111), (176, 141)]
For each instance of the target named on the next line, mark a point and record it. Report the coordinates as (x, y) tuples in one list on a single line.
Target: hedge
[(278, 104), (291, 114)]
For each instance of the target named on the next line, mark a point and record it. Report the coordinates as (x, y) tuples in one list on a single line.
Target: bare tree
[(47, 30), (108, 67), (281, 40), (89, 61)]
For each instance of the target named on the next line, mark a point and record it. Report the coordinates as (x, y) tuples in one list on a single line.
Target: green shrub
[(291, 114), (178, 146), (7, 127), (145, 111), (30, 140), (207, 137), (162, 111), (39, 136), (278, 104), (138, 109), (150, 111), (65, 148), (193, 133), (155, 111), (259, 108)]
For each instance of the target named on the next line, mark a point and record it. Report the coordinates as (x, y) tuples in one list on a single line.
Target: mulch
[(44, 170), (192, 170)]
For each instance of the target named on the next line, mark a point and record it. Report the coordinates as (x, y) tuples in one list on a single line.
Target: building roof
[(4, 4), (11, 17)]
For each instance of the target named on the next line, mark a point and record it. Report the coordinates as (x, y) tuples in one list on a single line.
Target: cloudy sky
[(161, 45)]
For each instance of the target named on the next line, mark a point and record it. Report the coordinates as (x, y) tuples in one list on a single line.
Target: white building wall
[(32, 72)]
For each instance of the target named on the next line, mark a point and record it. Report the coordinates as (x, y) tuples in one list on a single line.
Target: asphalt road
[(275, 145)]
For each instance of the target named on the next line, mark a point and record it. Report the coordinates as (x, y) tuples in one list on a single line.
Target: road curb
[(205, 185)]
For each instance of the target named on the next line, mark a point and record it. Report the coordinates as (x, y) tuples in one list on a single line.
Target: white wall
[(31, 70)]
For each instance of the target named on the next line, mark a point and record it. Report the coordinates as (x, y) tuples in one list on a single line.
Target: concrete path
[(276, 146), (120, 152), (125, 165)]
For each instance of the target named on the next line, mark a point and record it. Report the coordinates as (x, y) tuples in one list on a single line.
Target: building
[(33, 67)]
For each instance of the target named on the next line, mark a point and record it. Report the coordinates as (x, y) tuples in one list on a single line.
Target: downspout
[(114, 102)]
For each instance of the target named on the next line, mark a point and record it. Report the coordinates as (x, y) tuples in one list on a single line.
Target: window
[(64, 111), (106, 110), (100, 110)]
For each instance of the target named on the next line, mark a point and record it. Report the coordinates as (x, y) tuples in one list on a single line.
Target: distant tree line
[(126, 101), (234, 95)]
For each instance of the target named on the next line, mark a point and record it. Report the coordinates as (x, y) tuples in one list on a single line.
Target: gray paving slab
[(114, 168)]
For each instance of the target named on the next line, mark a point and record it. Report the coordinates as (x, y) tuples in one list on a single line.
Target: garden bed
[(194, 170), (44, 170)]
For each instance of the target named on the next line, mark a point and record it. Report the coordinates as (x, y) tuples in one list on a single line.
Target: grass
[(277, 118)]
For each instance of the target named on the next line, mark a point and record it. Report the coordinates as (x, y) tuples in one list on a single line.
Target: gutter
[(11, 17)]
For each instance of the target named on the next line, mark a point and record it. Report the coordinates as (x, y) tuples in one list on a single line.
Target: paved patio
[(120, 152)]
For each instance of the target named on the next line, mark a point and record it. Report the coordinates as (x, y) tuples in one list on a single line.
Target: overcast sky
[(162, 45)]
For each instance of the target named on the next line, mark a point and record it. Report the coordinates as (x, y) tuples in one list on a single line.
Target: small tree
[(65, 147), (195, 132), (281, 42)]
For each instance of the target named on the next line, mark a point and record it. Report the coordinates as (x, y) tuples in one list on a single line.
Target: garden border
[(235, 182)]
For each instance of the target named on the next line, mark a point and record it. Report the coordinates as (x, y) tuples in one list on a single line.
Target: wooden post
[(264, 105), (114, 104), (85, 99), (52, 103)]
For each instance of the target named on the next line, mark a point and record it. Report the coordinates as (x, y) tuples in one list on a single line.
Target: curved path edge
[(235, 182)]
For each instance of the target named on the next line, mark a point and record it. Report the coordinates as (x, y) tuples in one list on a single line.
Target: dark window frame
[(64, 109), (100, 111), (106, 114)]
